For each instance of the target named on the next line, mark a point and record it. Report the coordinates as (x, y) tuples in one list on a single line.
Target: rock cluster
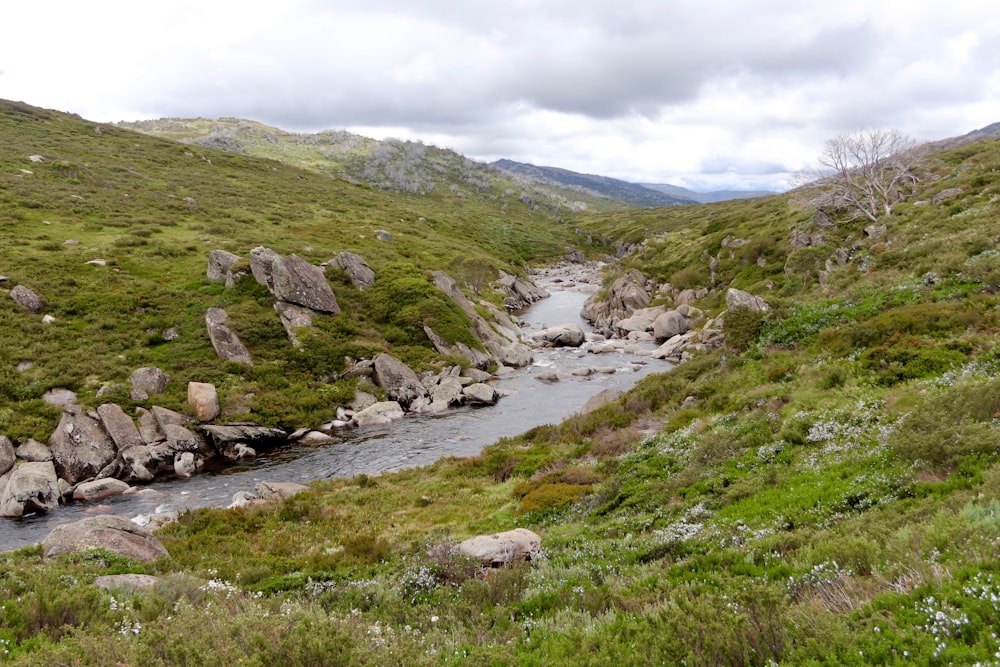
[(94, 454)]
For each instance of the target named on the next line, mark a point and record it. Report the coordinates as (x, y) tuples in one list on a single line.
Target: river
[(414, 441)]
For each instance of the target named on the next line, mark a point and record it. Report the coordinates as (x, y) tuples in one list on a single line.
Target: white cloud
[(721, 92)]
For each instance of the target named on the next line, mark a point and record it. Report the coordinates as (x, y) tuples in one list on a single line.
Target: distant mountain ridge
[(602, 185), (640, 194), (708, 197)]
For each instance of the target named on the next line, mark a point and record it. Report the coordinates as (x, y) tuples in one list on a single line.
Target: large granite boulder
[(397, 379), (670, 324), (147, 381), (739, 299), (627, 294), (111, 533), (119, 426), (33, 451), (641, 320), (225, 342), (293, 279), (204, 398), (80, 448), (27, 488), (219, 264), (520, 293), (480, 393), (357, 270), (378, 414), (502, 548), (293, 318), (565, 335), (27, 299), (99, 489)]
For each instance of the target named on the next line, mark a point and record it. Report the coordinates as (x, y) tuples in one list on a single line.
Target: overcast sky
[(707, 94)]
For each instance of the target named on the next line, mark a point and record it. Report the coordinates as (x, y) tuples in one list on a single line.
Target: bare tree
[(870, 171)]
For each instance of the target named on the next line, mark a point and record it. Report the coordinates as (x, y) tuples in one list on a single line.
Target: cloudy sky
[(708, 94)]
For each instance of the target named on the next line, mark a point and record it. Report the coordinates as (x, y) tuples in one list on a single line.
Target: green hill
[(392, 165), (822, 490), (151, 210)]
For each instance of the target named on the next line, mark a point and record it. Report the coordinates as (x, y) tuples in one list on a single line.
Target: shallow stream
[(414, 441)]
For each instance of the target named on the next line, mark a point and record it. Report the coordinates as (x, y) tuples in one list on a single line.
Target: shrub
[(742, 326), (951, 424)]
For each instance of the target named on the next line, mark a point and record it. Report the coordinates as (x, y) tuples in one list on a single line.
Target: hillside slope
[(152, 210), (821, 490)]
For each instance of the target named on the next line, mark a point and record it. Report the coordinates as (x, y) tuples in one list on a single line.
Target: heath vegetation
[(823, 490)]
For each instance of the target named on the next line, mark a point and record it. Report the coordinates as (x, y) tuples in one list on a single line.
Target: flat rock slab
[(111, 533)]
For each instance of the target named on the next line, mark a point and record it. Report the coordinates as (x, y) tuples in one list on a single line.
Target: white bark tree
[(870, 171)]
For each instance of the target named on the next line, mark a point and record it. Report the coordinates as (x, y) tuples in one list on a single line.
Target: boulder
[(7, 456), (219, 263), (383, 235), (600, 399), (115, 534), (119, 426), (231, 441), (477, 358), (27, 299), (225, 342), (183, 439), (294, 317), (80, 448), (519, 292), (357, 270), (566, 335), (150, 379), (501, 338), (203, 397), (641, 320), (165, 417), (33, 452), (669, 324), (445, 393), (149, 428), (627, 294), (186, 464), (397, 379), (27, 488), (739, 299), (60, 398), (136, 464), (502, 548), (267, 491), (480, 394), (293, 279), (99, 489), (378, 414)]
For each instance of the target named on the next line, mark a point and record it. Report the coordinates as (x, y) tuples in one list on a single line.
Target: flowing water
[(414, 441)]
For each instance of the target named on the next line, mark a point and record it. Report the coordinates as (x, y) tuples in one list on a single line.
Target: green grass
[(822, 491)]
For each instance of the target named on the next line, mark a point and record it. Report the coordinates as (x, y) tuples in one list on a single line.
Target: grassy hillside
[(153, 209), (821, 491), (391, 164)]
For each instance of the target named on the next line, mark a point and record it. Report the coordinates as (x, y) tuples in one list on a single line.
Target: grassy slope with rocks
[(153, 210), (821, 491), (390, 164)]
